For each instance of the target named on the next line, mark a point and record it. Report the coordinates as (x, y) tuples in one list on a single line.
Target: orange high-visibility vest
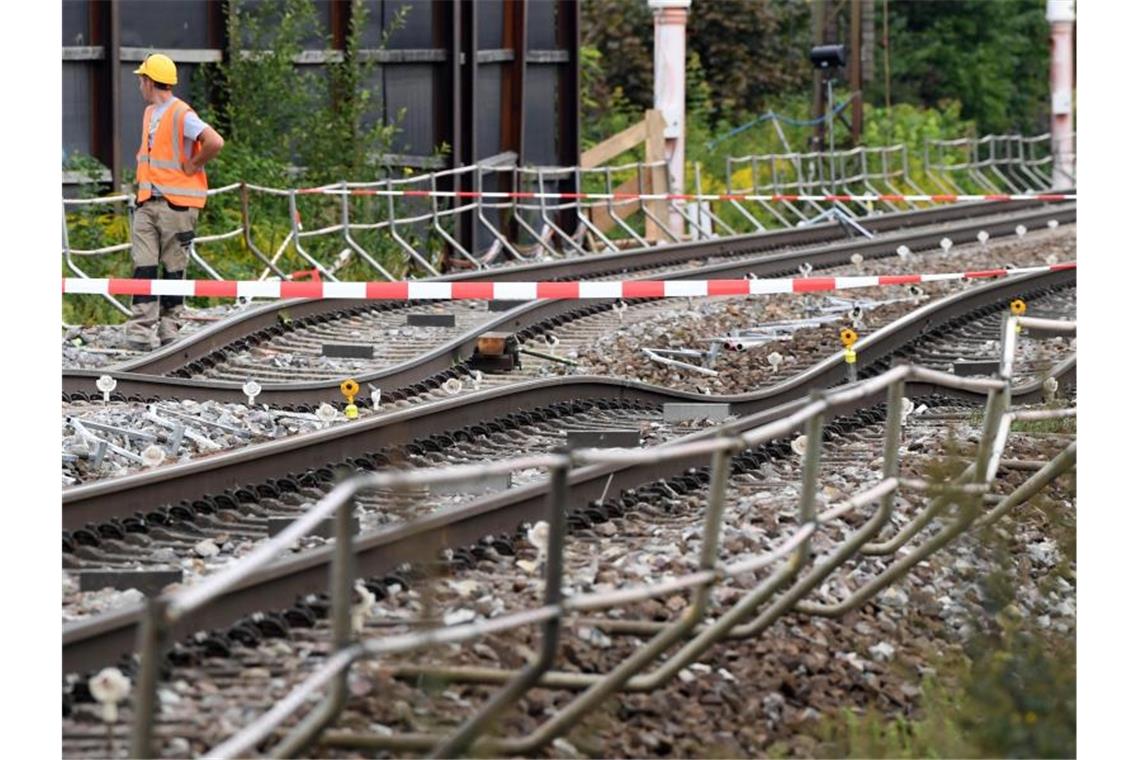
[(160, 166)]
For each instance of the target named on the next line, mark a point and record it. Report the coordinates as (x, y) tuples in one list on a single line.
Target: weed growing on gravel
[(1062, 425), (1011, 692)]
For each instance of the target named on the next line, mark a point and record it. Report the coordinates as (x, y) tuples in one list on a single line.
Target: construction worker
[(175, 147)]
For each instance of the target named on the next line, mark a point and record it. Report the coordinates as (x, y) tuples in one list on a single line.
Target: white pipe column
[(1061, 14), (669, 19)]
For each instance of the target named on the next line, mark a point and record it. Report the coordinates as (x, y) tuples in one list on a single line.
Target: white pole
[(1061, 14), (669, 19)]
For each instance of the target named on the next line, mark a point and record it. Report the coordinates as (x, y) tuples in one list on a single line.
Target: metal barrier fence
[(406, 213), (791, 579), (992, 164), (858, 171)]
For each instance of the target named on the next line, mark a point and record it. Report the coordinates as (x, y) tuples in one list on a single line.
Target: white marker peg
[(983, 236), (1020, 230), (326, 413), (251, 389), (946, 243), (903, 252), (106, 384), (153, 456), (375, 398), (1052, 224), (805, 268)]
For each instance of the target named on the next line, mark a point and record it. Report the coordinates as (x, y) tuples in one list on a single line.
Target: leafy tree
[(622, 33), (751, 51), (991, 56)]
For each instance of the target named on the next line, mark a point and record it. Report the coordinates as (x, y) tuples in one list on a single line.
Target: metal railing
[(792, 576), (523, 228), (990, 164), (862, 170)]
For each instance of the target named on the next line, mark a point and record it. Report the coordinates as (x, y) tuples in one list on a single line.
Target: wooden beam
[(655, 154), (611, 147), (512, 105)]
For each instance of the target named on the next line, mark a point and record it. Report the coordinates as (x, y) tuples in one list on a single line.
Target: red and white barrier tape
[(518, 291), (866, 198)]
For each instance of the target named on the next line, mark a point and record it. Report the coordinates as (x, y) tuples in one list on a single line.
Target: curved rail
[(94, 642), (134, 384)]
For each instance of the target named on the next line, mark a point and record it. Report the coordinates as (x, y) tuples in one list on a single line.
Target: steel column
[(568, 23)]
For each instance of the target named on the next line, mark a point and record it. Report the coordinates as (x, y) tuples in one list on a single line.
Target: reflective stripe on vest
[(168, 190), (160, 165)]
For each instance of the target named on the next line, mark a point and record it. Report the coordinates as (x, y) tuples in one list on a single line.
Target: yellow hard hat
[(159, 68)]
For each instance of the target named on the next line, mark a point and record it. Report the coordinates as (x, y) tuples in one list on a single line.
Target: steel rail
[(205, 341), (100, 640), (121, 497), (132, 384)]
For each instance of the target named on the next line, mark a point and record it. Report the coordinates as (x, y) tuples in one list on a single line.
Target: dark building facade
[(490, 78)]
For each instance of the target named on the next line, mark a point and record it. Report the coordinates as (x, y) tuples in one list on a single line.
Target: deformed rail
[(121, 497), (138, 378), (751, 615)]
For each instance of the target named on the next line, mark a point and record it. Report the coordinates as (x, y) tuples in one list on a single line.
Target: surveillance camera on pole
[(828, 57)]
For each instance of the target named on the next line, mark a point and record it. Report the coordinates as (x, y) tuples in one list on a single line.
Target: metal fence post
[(552, 594), (152, 638), (293, 221), (811, 473), (341, 590)]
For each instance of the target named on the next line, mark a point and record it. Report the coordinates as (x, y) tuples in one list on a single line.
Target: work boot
[(141, 329), (169, 323)]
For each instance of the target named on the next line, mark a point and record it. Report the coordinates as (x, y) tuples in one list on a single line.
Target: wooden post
[(655, 153)]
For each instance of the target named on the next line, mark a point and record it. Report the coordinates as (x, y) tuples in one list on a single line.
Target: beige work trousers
[(160, 235)]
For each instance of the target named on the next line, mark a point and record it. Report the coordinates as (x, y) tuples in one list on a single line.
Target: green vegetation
[(1010, 690), (1013, 696), (1062, 425)]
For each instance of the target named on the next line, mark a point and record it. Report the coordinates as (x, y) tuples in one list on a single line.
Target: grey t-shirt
[(194, 128)]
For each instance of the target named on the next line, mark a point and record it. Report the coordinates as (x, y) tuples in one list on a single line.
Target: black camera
[(828, 56)]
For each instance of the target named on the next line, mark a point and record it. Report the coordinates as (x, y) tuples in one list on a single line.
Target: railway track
[(801, 329), (256, 662), (241, 347), (242, 477)]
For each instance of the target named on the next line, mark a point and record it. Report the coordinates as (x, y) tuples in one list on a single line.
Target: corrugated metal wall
[(527, 52)]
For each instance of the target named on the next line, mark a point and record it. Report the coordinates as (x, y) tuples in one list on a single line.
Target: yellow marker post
[(350, 388), (847, 337), (1017, 309)]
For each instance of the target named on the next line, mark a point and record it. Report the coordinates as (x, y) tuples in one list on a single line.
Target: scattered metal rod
[(75, 423), (177, 431), (548, 357), (198, 420), (125, 432), (654, 356)]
